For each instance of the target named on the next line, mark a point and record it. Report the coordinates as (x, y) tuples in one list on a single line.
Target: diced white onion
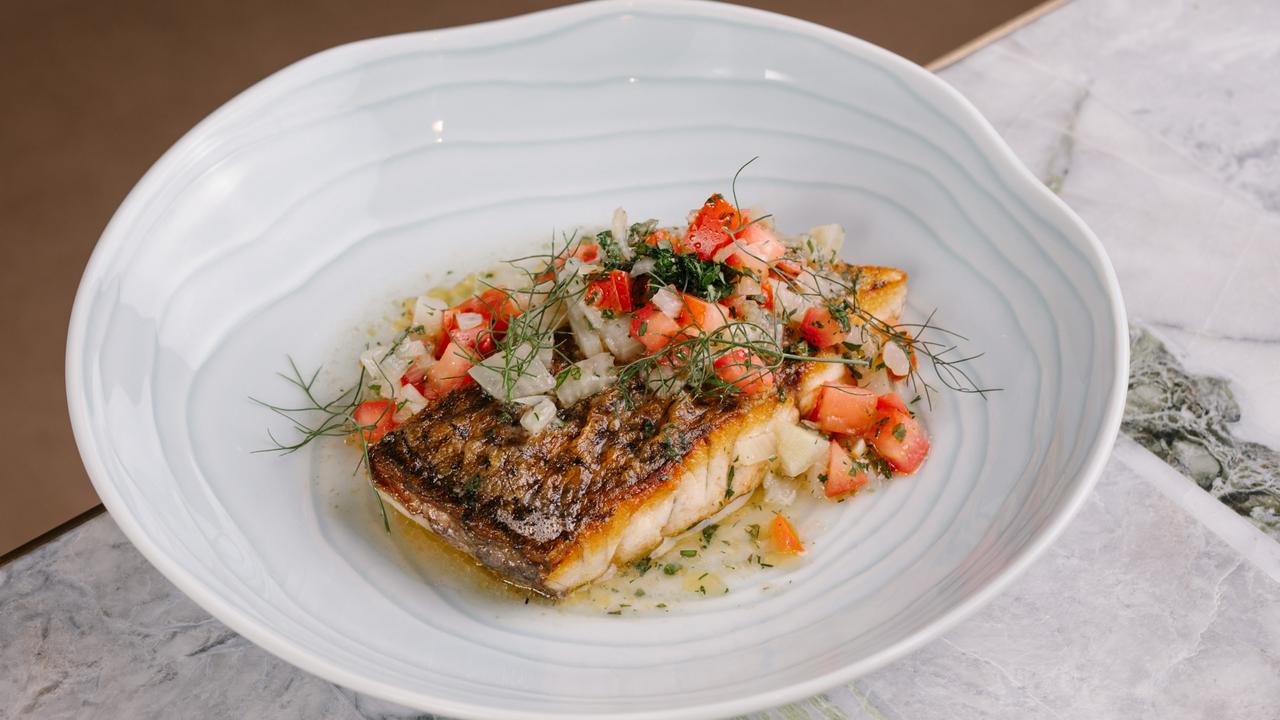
[(532, 400), (616, 334), (748, 286), (545, 355), (411, 350), (763, 326), (755, 446), (869, 339), (827, 241), (799, 448), (723, 253), (789, 304), (538, 417), (384, 369), (620, 233), (523, 374), (668, 302), (877, 381), (779, 492), (578, 270), (581, 317), (643, 266), (428, 312), (410, 402), (895, 359), (468, 320), (590, 377)]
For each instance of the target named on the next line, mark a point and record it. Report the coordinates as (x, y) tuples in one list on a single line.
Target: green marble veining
[(1185, 420)]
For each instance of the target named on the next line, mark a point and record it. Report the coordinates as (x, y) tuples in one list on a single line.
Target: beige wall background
[(94, 92)]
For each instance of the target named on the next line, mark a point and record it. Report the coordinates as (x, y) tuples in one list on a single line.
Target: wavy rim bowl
[(934, 90)]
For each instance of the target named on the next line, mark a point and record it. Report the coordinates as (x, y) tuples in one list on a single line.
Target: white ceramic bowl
[(291, 217)]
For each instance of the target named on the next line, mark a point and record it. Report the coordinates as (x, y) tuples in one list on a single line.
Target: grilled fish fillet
[(559, 509)]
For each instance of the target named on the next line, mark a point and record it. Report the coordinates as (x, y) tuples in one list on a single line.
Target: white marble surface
[(1160, 123)]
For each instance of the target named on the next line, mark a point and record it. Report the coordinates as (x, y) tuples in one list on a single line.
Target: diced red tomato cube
[(892, 401), (479, 339), (450, 372), (745, 370), (845, 409), (789, 268), (785, 539), (897, 437), (499, 307), (841, 478), (703, 315), (709, 230), (766, 290), (657, 236), (587, 252), (611, 292), (652, 328), (414, 375), (762, 242), (742, 257), (820, 328), (375, 419)]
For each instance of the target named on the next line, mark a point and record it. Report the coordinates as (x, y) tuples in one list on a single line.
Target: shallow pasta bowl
[(289, 222)]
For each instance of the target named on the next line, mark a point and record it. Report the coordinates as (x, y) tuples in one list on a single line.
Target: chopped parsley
[(689, 273), (709, 532)]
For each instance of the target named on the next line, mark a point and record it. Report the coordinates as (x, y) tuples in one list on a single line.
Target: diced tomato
[(703, 315), (897, 436), (499, 307), (709, 230), (479, 339), (790, 268), (475, 304), (375, 419), (652, 328), (785, 539), (450, 373), (766, 290), (892, 401), (587, 252), (820, 328), (845, 409), (762, 243), (414, 375), (742, 257), (745, 370), (841, 479), (611, 292), (704, 241), (657, 236)]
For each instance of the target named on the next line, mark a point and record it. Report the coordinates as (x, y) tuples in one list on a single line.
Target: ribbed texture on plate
[(320, 195)]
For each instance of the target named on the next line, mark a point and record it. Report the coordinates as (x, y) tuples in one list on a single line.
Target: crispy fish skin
[(556, 510), (550, 511)]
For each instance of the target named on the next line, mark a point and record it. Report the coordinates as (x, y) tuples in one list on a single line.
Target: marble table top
[(1160, 124)]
